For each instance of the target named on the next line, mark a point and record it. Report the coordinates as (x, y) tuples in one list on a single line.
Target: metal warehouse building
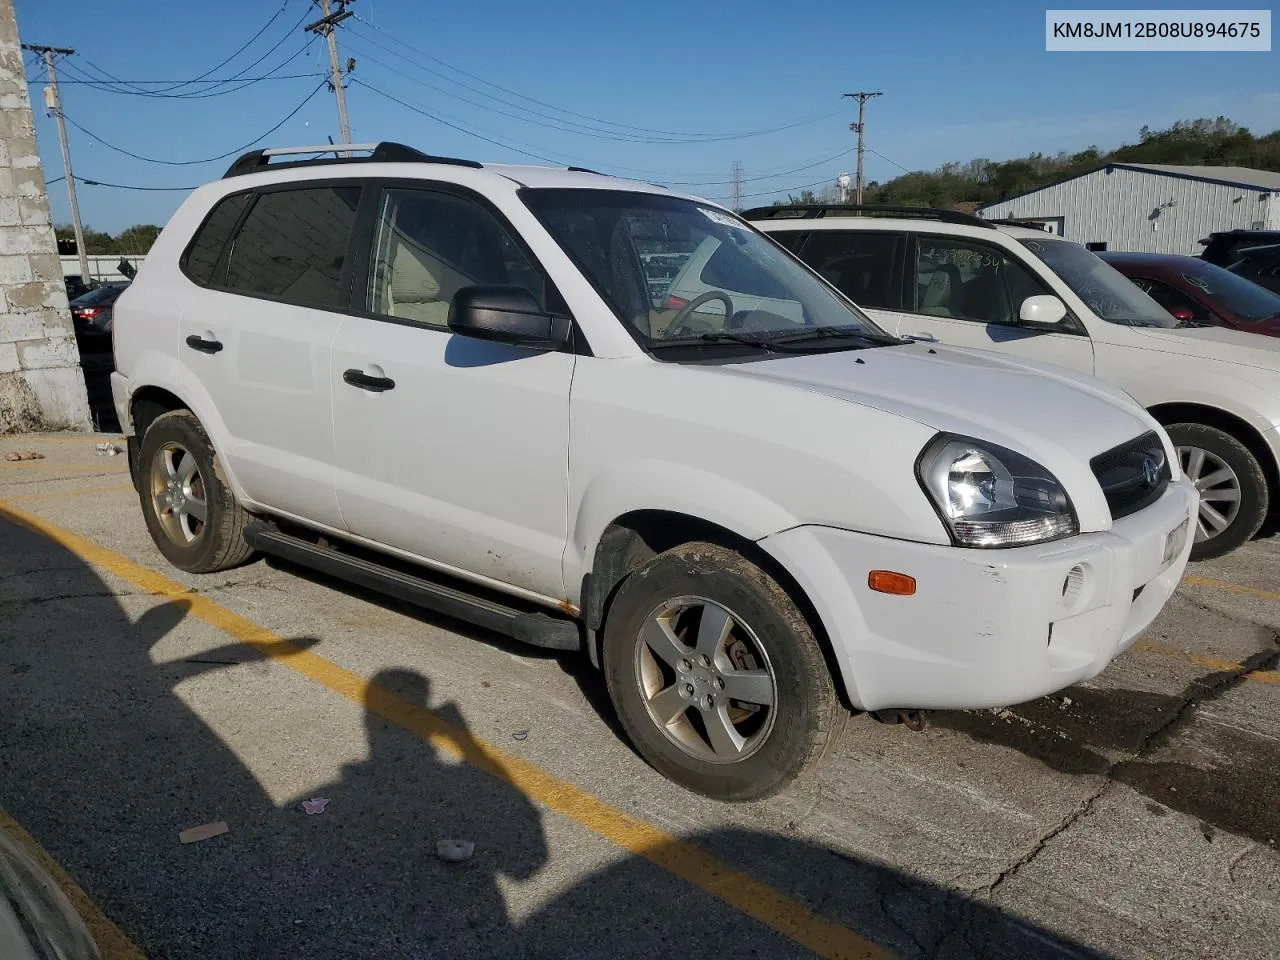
[(1149, 207)]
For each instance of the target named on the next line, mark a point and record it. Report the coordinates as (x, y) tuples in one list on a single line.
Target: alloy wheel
[(178, 493), (1219, 488), (705, 679)]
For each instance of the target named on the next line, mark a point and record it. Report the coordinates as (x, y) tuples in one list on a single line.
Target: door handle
[(920, 337), (358, 378), (204, 346)]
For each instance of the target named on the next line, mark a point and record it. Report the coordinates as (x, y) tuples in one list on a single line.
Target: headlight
[(989, 496)]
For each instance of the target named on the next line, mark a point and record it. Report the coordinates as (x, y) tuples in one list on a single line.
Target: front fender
[(651, 484)]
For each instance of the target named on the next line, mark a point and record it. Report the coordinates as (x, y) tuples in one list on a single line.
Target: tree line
[(1210, 142), (135, 240)]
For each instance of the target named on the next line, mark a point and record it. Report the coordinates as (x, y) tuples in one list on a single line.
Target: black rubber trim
[(537, 629)]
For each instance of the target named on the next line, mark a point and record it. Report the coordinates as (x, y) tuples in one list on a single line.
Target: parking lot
[(1133, 816)]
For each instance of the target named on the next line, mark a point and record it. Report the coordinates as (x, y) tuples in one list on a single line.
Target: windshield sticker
[(715, 216)]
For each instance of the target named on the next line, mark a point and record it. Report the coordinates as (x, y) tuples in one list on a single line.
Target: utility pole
[(735, 177), (53, 101), (860, 128), (326, 25)]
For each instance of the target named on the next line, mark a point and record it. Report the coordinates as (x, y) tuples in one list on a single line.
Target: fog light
[(887, 581), (1073, 586)]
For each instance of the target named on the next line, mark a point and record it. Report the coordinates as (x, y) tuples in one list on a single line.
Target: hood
[(1212, 343), (1057, 417)]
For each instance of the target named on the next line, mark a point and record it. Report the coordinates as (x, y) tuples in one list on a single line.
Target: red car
[(1198, 292)]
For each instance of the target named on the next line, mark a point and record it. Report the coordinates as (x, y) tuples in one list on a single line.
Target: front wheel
[(716, 675), (1232, 486)]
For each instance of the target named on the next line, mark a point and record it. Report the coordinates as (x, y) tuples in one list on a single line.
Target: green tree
[(137, 239)]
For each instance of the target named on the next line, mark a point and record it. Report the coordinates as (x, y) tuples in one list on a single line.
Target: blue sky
[(959, 81)]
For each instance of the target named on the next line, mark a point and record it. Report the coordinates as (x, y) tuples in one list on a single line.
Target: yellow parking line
[(685, 860), (1231, 587), (111, 940), (1216, 664), (74, 492)]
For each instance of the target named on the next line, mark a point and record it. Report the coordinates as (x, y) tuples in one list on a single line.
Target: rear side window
[(293, 245), (206, 247), (862, 266)]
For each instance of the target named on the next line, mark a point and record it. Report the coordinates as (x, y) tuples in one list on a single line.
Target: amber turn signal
[(887, 581)]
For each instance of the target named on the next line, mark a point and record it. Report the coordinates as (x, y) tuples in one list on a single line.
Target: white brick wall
[(41, 386)]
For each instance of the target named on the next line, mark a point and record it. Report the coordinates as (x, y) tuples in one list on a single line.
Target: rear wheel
[(190, 511), (716, 675), (1232, 486)]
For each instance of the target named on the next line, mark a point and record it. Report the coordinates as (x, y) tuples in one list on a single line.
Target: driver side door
[(968, 293)]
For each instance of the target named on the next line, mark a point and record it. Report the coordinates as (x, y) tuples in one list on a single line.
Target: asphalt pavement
[(1132, 816)]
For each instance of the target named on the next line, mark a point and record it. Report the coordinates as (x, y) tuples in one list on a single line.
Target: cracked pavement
[(1132, 816)]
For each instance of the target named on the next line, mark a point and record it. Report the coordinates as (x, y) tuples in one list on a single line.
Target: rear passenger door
[(259, 336), (968, 293), (451, 449)]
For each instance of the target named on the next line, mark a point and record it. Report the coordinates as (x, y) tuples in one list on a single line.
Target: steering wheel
[(679, 324)]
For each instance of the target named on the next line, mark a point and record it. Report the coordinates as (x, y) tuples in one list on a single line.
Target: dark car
[(1223, 248), (1261, 265), (1197, 292), (91, 315)]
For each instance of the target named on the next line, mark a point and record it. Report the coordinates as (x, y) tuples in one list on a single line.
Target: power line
[(237, 81), (689, 137), (471, 133), (767, 176), (239, 50), (282, 76), (122, 186), (887, 160), (222, 156)]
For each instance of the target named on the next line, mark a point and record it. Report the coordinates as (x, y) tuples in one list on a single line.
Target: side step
[(538, 629)]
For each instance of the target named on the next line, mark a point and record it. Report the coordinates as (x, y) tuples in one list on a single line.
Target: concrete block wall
[(41, 384)]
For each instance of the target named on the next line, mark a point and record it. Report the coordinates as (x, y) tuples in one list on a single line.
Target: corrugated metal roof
[(1239, 176)]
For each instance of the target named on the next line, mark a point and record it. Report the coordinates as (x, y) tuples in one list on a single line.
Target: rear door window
[(865, 267), (293, 245)]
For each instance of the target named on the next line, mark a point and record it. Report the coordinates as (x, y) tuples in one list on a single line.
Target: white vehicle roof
[(911, 224)]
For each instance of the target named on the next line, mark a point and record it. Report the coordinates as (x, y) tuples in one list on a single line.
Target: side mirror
[(1043, 312), (507, 314)]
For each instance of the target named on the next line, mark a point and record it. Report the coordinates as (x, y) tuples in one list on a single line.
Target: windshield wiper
[(821, 333)]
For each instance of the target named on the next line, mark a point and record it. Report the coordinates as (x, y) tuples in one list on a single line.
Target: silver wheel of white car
[(1233, 488), (191, 513), (706, 679), (1219, 488), (717, 676)]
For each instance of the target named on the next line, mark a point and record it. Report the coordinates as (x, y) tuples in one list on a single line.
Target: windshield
[(1244, 298), (680, 272), (1103, 288)]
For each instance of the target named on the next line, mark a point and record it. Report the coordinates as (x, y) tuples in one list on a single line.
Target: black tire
[(1252, 481), (806, 716), (217, 542)]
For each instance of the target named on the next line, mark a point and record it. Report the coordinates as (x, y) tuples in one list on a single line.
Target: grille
[(1132, 475)]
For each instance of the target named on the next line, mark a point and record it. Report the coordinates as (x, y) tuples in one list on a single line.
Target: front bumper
[(987, 628)]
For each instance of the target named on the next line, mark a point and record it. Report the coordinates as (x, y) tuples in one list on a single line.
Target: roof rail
[(255, 161), (816, 211), (1009, 222)]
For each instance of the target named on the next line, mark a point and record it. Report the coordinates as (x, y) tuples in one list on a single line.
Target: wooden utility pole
[(326, 25), (860, 128), (53, 101)]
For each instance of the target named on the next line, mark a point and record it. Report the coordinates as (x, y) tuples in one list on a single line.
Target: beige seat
[(420, 286)]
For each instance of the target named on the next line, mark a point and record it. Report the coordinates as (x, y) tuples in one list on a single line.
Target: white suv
[(945, 277), (457, 384)]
